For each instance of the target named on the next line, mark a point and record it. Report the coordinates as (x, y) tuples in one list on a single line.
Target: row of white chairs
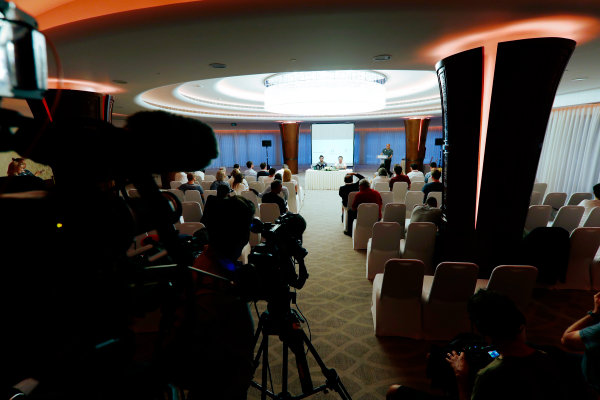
[(410, 303), (558, 199), (568, 217), (399, 187)]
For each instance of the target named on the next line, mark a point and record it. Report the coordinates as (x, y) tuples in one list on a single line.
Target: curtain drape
[(570, 158)]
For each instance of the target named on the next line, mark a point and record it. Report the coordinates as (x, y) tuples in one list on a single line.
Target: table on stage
[(324, 180)]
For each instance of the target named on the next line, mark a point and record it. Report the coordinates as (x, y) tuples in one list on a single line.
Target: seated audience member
[(519, 372), (238, 183), (249, 172), (399, 177), (321, 164), (381, 176), (584, 335), (432, 167), (235, 172), (271, 176), (283, 168), (285, 193), (340, 164), (364, 195), (220, 177), (191, 185), (427, 212), (287, 177), (415, 175), (589, 204), (263, 170), (349, 186), (274, 196), (434, 186)]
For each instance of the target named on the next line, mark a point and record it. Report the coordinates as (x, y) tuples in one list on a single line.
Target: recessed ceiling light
[(218, 65), (578, 79), (292, 59), (382, 57), (120, 81)]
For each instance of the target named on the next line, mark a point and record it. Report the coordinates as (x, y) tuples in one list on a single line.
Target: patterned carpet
[(336, 301)]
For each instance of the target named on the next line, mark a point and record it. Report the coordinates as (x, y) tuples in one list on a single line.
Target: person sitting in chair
[(321, 164)]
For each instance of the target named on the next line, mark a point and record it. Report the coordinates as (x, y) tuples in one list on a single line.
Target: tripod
[(293, 338)]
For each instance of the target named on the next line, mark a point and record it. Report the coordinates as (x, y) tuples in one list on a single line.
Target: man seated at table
[(321, 164), (340, 164), (364, 195)]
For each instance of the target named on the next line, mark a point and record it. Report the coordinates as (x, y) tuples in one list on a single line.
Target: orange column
[(416, 135), (290, 133)]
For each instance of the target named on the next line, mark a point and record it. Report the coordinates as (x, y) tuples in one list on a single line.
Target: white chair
[(438, 197), (556, 200), (593, 219), (258, 186), (175, 184), (261, 179), (540, 187), (515, 281), (269, 212), (584, 243), (412, 199), (383, 245), (192, 195), (133, 193), (399, 189), (537, 216), (178, 193), (367, 214), (416, 186), (210, 178), (250, 195), (396, 299), (387, 197), (568, 217), (293, 203), (243, 258), (535, 199), (189, 228), (350, 201), (420, 243), (191, 211), (395, 212), (578, 197), (209, 193), (445, 297), (382, 186), (206, 184)]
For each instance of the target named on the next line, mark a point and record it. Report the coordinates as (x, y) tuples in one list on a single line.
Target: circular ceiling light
[(325, 92)]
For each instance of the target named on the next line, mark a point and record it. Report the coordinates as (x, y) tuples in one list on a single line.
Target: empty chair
[(367, 215), (535, 199), (540, 187), (292, 201), (445, 297), (577, 198), (399, 189), (209, 193), (386, 198), (416, 186), (580, 274), (556, 200), (206, 184), (191, 211), (568, 217), (209, 178), (396, 299), (189, 228), (515, 281), (412, 199), (175, 184), (537, 216), (438, 197), (383, 245), (420, 243), (178, 193), (250, 195), (192, 195), (593, 219), (395, 212), (269, 212), (382, 186), (258, 186)]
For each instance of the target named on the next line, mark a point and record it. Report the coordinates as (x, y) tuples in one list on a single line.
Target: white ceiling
[(168, 45)]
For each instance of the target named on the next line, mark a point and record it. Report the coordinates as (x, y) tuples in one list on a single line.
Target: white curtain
[(570, 159)]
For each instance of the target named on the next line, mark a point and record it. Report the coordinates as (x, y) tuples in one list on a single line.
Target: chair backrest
[(399, 189), (351, 198), (291, 187), (250, 195), (593, 219), (568, 217), (192, 195), (386, 198), (210, 177), (454, 281), (578, 197), (555, 199), (262, 178), (413, 199), (209, 193), (367, 215), (540, 187), (258, 186), (133, 193), (206, 184), (515, 281), (382, 186), (438, 197), (420, 242), (269, 212), (189, 228), (178, 193), (395, 212), (536, 198), (584, 243), (416, 186), (175, 184), (402, 278), (191, 211), (537, 216), (386, 236)]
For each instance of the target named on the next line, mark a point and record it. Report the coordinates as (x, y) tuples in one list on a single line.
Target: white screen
[(332, 141)]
